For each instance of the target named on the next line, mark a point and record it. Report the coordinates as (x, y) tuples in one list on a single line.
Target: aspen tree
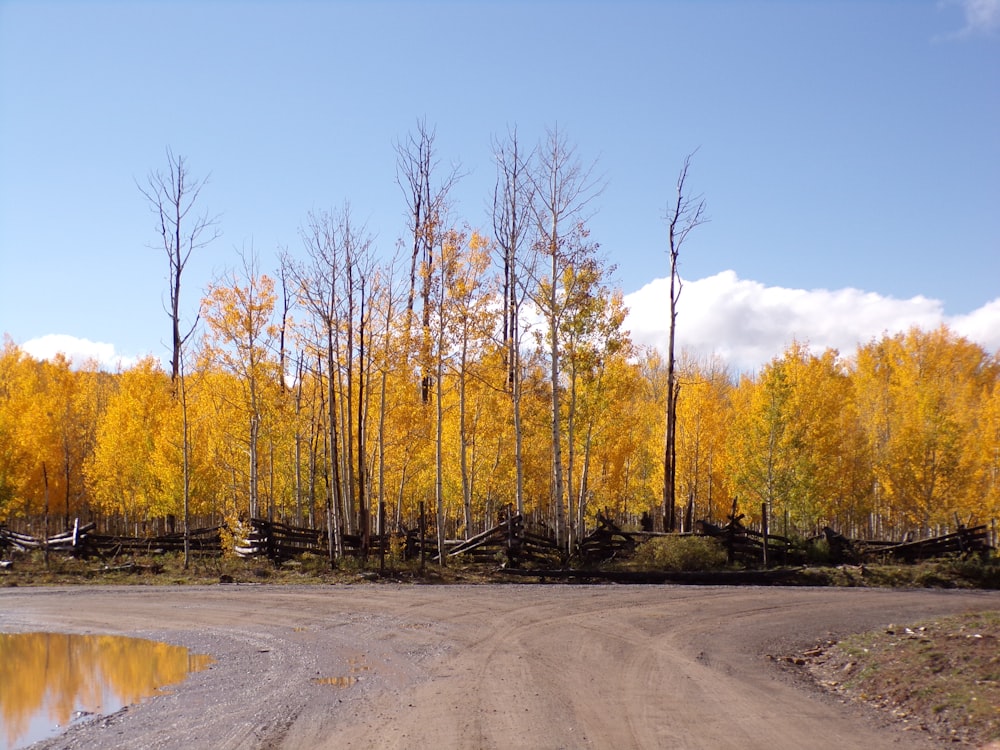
[(684, 214), (240, 339), (172, 199), (513, 197), (563, 190), (417, 168)]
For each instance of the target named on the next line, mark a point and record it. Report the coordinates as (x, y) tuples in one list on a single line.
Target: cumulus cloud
[(78, 351), (747, 323), (744, 322), (981, 326)]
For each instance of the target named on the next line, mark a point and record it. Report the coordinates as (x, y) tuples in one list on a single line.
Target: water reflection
[(49, 679)]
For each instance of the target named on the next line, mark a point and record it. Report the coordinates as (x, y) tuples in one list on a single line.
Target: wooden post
[(763, 528), (45, 537), (731, 536), (511, 554), (423, 530)]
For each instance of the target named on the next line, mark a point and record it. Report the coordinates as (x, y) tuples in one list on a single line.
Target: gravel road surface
[(487, 666)]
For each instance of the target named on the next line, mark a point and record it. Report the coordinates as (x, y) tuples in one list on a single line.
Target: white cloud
[(747, 323), (981, 326), (744, 322), (78, 351), (981, 16)]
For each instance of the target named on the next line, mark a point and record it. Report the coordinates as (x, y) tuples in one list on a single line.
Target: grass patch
[(30, 569), (940, 676)]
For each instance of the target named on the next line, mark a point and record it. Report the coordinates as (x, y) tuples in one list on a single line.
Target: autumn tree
[(23, 423), (631, 463), (591, 333), (127, 474), (173, 198), (703, 417), (921, 395), (11, 359), (563, 189), (756, 459), (464, 326), (987, 446), (241, 339)]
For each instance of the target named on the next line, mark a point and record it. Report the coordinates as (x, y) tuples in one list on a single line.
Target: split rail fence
[(513, 543)]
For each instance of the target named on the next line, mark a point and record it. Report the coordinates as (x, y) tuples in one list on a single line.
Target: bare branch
[(682, 216), (172, 199)]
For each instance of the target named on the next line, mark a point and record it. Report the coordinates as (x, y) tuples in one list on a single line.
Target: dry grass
[(168, 569), (940, 677)]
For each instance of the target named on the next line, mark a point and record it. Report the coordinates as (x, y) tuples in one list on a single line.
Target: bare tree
[(319, 297), (172, 198), (563, 189), (513, 196), (427, 204), (683, 215), (337, 289)]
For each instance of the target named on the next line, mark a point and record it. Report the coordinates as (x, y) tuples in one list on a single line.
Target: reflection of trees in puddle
[(355, 666), (54, 677), (342, 681)]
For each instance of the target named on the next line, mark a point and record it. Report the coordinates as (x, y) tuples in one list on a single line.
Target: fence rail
[(513, 543)]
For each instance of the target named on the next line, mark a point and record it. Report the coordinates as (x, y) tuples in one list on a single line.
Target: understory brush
[(682, 553)]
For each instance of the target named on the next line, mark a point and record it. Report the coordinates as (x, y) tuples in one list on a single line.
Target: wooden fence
[(82, 541), (513, 543), (964, 541)]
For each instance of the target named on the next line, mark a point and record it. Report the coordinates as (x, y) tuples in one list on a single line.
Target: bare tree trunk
[(581, 503), (172, 198), (463, 439), (186, 465), (683, 215), (333, 500), (439, 421), (428, 205), (562, 191), (571, 453), (512, 204)]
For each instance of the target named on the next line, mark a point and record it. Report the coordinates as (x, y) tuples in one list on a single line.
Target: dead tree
[(512, 200), (683, 214), (427, 208), (172, 198)]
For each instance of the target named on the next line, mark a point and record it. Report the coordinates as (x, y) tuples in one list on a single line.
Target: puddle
[(355, 666), (50, 680), (344, 681)]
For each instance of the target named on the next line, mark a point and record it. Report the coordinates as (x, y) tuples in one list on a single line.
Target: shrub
[(983, 571), (682, 553)]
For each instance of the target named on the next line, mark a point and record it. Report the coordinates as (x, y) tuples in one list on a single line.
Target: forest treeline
[(479, 371), (904, 433)]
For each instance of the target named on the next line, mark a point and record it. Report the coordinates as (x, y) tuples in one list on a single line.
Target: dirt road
[(486, 666)]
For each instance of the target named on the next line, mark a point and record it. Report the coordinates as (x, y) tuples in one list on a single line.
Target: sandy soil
[(493, 666)]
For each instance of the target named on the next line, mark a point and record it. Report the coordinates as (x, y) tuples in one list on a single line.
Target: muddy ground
[(488, 666)]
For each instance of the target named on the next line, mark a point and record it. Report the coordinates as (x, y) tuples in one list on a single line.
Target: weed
[(682, 553)]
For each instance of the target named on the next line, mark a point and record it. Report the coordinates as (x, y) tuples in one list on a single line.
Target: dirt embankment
[(495, 666)]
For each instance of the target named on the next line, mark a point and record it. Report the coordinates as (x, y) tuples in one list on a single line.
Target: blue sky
[(849, 152)]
